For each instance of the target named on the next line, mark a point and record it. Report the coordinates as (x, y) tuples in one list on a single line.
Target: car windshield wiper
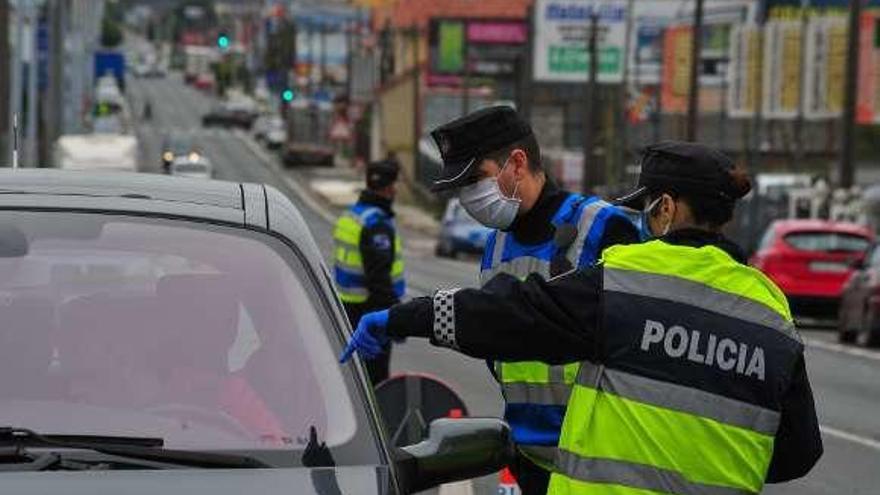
[(148, 449)]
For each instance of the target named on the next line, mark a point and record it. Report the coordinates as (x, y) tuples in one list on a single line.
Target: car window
[(827, 241), (875, 257), (129, 326)]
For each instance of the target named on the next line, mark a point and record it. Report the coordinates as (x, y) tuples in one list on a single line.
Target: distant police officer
[(491, 159), (692, 376), (368, 259)]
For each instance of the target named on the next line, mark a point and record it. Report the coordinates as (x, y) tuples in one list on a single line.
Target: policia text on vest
[(704, 348)]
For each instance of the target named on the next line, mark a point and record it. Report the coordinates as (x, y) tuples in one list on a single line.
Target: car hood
[(319, 481)]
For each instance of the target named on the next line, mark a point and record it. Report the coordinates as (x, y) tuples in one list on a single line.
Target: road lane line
[(843, 349), (850, 437)]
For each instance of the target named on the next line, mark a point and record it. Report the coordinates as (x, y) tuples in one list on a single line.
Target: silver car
[(175, 336)]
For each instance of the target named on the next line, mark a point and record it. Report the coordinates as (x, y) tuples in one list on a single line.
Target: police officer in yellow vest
[(368, 258), (692, 377), (492, 160)]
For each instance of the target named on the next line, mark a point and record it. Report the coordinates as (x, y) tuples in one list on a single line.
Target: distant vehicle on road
[(460, 233), (230, 114), (174, 146), (204, 82), (270, 130), (308, 132), (194, 166), (198, 60), (811, 260), (859, 318), (96, 152), (165, 335)]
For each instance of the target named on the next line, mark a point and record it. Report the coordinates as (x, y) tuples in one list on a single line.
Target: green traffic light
[(287, 95), (223, 41)]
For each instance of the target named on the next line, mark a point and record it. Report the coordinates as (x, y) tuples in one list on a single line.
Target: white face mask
[(485, 202)]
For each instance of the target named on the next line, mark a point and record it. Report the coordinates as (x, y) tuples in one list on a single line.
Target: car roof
[(783, 227), (126, 185), (255, 205)]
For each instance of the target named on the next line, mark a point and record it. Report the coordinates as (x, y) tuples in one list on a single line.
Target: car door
[(857, 291)]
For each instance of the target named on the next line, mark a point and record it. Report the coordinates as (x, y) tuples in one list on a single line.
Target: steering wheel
[(201, 415)]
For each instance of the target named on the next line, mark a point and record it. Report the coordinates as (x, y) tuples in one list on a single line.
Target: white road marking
[(842, 348), (850, 437), (458, 488)]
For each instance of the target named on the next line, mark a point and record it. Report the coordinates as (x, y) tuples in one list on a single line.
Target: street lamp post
[(694, 86)]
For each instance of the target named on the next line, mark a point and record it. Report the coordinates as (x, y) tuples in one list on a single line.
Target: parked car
[(230, 114), (174, 146), (859, 318), (270, 131), (810, 260), (194, 166), (460, 233), (175, 336)]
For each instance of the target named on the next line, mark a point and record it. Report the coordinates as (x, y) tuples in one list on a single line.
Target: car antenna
[(14, 140)]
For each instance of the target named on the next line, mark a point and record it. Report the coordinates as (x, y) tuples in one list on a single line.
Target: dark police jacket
[(560, 321)]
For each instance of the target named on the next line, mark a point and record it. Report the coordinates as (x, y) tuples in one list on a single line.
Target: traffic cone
[(507, 483)]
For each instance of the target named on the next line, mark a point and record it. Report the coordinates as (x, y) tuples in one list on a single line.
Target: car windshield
[(212, 338), (827, 241), (179, 145)]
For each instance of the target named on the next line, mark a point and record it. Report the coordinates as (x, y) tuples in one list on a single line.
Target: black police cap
[(464, 141), (688, 168), (382, 173)]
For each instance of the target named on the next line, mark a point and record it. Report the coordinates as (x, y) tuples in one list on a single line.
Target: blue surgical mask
[(644, 225)]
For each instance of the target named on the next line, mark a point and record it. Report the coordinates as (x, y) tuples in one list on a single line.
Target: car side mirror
[(858, 264), (456, 449)]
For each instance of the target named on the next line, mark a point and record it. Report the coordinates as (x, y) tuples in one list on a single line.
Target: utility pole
[(4, 81), (33, 73), (849, 105), (16, 71), (591, 109), (799, 122), (694, 87), (417, 99)]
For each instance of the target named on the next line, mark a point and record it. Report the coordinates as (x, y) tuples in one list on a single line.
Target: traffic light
[(287, 95), (223, 41)]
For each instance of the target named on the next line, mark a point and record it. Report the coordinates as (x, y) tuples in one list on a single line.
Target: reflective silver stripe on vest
[(698, 295), (642, 476), (548, 394), (585, 224), (680, 398), (539, 455)]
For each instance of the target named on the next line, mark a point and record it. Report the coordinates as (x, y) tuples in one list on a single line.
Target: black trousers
[(531, 478)]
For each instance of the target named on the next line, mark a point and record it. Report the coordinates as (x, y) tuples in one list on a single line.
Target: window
[(827, 241), (209, 337)]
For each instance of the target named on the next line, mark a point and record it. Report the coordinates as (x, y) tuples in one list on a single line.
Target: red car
[(811, 260)]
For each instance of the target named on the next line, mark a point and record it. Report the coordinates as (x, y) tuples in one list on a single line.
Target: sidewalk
[(339, 187)]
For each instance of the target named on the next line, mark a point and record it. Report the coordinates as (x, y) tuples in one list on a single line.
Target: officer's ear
[(520, 163)]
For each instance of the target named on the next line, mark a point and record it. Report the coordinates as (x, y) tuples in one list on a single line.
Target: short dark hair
[(528, 144), (712, 212)]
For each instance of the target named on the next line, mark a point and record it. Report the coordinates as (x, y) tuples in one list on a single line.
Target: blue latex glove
[(370, 338)]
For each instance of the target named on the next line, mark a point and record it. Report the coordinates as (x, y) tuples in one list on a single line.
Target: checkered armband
[(444, 318)]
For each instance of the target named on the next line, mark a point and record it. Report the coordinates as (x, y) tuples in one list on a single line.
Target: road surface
[(846, 383)]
